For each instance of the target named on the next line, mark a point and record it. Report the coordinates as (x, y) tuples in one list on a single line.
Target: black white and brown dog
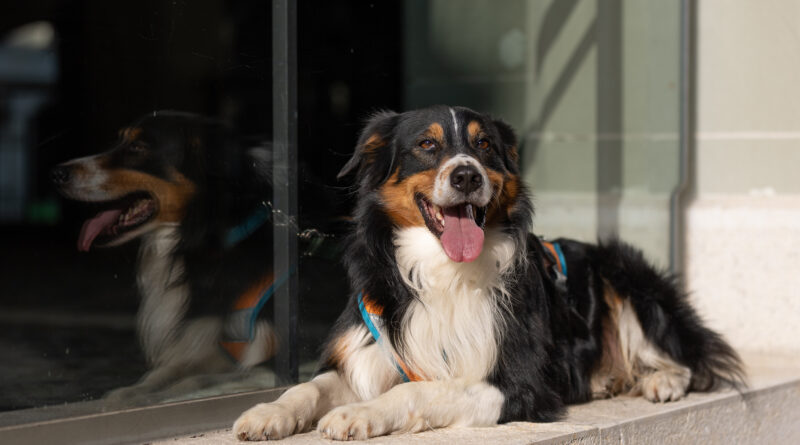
[(459, 316), (197, 196)]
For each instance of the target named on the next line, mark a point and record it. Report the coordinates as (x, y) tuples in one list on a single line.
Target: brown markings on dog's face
[(172, 196), (435, 132), (505, 188), (130, 134), (474, 130), (399, 201)]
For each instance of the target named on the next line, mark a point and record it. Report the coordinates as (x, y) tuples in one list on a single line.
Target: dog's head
[(149, 176), (450, 169)]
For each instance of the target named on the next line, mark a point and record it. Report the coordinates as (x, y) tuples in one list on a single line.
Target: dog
[(459, 316), (197, 196)]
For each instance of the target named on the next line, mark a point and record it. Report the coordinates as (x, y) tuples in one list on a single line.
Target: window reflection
[(131, 231)]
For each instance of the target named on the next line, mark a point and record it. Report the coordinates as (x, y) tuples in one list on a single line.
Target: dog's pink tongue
[(92, 227), (462, 239)]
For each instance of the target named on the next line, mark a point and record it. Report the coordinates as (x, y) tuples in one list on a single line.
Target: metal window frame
[(678, 199)]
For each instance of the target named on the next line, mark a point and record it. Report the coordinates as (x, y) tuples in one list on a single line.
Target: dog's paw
[(353, 422), (664, 386), (267, 421)]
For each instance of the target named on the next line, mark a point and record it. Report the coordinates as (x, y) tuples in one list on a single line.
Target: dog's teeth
[(470, 212), (438, 214)]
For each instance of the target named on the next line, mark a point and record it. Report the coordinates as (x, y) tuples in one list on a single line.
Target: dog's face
[(451, 170), (140, 183)]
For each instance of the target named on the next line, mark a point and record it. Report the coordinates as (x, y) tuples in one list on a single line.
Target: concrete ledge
[(768, 412)]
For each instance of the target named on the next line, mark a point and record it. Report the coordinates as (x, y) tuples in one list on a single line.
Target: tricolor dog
[(459, 316)]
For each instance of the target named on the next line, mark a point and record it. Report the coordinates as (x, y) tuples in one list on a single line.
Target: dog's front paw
[(353, 422), (267, 421), (663, 386)]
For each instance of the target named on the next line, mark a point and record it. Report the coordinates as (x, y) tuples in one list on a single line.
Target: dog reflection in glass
[(197, 198)]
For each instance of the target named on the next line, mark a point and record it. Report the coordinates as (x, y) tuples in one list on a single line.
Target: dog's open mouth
[(459, 228), (117, 218)]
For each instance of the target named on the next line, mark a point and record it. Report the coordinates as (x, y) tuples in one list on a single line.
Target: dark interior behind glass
[(72, 74)]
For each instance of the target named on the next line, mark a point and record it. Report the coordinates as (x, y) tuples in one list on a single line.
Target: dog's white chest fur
[(164, 296), (454, 327)]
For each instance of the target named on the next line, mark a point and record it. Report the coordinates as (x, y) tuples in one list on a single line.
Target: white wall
[(743, 226)]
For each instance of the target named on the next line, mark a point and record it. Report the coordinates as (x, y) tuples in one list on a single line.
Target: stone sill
[(768, 412)]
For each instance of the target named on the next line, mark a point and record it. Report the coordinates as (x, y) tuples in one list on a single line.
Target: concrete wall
[(743, 226)]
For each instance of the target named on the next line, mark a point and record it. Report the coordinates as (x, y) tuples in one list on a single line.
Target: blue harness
[(240, 326), (555, 256), (372, 313)]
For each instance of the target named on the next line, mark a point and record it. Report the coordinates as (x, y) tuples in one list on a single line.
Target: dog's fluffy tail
[(667, 318)]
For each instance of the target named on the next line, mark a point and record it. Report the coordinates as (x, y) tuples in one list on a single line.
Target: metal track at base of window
[(133, 425)]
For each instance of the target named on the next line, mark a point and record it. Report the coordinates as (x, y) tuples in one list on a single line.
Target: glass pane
[(345, 73), (174, 282), (592, 89), (175, 287), (135, 203)]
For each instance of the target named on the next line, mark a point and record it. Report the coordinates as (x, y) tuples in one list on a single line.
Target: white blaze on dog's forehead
[(455, 121)]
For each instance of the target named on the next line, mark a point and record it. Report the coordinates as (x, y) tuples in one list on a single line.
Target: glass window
[(170, 219), (136, 202), (592, 89)]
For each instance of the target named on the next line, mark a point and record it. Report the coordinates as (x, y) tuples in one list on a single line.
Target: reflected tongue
[(92, 227), (462, 239)]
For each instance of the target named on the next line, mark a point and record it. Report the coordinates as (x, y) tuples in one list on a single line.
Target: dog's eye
[(483, 144), (427, 144)]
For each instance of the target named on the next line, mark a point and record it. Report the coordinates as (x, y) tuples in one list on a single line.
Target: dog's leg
[(416, 406), (665, 346), (660, 378), (295, 410), (194, 350)]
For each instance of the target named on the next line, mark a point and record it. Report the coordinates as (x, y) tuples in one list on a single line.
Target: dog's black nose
[(466, 178), (60, 175)]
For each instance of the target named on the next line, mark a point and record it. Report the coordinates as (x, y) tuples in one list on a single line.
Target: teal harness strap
[(561, 259), (253, 222), (373, 320), (554, 254), (240, 325)]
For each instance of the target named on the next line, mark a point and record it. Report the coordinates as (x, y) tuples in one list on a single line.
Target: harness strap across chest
[(557, 263), (240, 325), (557, 256), (372, 314)]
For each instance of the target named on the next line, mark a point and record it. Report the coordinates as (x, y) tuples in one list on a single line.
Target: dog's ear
[(373, 147), (509, 147)]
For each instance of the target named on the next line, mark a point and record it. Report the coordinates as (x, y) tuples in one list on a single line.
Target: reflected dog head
[(150, 176)]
